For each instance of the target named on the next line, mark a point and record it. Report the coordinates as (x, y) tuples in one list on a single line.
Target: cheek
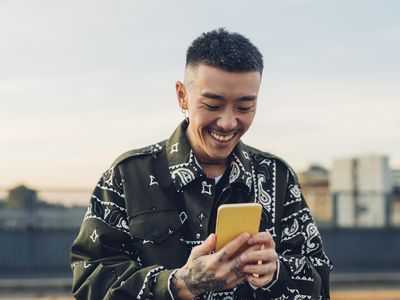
[(201, 118), (248, 120)]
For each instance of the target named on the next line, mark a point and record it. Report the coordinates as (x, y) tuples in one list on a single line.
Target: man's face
[(221, 107)]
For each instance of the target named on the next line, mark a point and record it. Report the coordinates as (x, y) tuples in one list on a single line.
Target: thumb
[(206, 247)]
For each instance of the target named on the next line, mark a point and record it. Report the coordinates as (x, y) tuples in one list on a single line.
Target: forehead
[(215, 78)]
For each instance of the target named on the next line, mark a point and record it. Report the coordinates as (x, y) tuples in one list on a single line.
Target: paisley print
[(263, 196)]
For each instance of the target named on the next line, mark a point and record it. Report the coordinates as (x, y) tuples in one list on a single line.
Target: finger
[(260, 270), (205, 248), (261, 280), (262, 238), (232, 247), (265, 255), (253, 248)]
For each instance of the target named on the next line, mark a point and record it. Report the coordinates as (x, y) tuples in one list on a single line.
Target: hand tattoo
[(221, 257), (198, 282), (236, 269)]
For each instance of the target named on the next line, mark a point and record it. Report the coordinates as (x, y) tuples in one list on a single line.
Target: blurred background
[(83, 81)]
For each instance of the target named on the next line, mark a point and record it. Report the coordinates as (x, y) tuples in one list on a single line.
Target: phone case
[(233, 219)]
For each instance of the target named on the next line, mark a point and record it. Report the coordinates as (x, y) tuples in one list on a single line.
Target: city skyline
[(78, 195), (81, 83)]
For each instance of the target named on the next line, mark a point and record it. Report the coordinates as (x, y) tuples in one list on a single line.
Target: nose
[(227, 121)]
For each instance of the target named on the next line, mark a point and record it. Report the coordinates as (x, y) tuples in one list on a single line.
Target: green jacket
[(154, 204)]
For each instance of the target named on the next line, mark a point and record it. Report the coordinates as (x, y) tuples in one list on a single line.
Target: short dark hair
[(229, 51)]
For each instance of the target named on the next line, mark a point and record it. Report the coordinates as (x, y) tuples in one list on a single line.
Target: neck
[(212, 169), (201, 162)]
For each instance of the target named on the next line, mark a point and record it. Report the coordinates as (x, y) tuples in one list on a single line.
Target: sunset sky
[(83, 81)]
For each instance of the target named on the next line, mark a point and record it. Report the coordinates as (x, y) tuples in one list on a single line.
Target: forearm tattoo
[(199, 282)]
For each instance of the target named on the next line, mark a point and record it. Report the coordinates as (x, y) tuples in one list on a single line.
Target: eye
[(244, 108), (212, 107)]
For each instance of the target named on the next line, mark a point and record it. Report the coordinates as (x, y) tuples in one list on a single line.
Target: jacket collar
[(184, 167), (241, 167)]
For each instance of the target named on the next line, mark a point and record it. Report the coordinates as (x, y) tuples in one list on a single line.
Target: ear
[(181, 94)]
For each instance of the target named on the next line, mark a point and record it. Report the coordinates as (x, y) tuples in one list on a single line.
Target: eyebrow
[(212, 96), (248, 98), (219, 97)]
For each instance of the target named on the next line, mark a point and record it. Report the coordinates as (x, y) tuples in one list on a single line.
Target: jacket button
[(156, 233)]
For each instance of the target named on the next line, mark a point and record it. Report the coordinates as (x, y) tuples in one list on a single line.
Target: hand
[(205, 272), (260, 259)]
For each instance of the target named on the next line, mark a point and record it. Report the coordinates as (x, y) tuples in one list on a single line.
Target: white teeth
[(221, 138)]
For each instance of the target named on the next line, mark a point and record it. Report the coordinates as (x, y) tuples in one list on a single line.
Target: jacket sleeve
[(103, 257), (303, 267)]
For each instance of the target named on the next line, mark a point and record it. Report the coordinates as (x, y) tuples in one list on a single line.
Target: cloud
[(81, 82)]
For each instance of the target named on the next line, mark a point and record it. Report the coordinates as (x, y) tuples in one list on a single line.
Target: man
[(148, 231)]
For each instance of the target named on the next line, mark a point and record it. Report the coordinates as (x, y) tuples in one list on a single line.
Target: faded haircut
[(228, 51)]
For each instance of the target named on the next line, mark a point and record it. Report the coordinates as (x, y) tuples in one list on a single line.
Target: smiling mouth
[(222, 138)]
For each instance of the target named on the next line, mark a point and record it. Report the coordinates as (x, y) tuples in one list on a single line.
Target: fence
[(37, 250), (363, 249)]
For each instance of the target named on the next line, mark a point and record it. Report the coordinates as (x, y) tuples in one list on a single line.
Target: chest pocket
[(156, 236)]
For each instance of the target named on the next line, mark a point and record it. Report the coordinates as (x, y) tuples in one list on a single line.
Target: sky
[(84, 81)]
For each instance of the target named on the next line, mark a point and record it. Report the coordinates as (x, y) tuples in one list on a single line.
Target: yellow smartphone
[(233, 219)]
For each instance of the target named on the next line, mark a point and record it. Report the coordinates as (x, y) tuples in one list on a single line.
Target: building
[(396, 179), (315, 187), (361, 189), (22, 197), (24, 209), (395, 219)]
